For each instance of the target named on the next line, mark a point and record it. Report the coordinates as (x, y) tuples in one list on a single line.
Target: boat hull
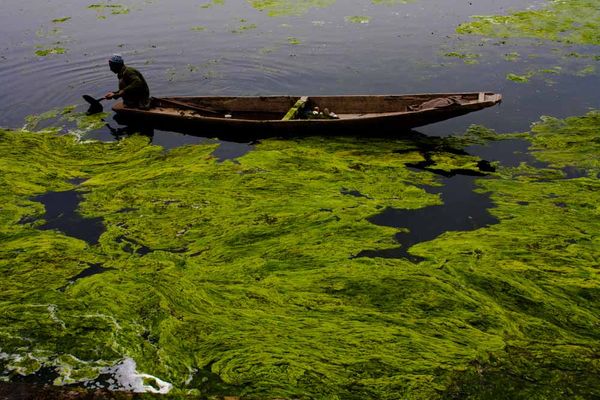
[(262, 116)]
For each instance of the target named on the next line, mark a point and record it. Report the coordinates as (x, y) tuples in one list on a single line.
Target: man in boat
[(132, 85)]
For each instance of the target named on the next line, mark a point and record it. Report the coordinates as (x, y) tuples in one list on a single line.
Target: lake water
[(204, 48), (234, 48)]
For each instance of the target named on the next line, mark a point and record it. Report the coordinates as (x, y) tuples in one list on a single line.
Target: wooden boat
[(293, 115)]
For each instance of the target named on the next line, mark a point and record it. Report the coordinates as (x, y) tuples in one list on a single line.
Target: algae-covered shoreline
[(250, 272)]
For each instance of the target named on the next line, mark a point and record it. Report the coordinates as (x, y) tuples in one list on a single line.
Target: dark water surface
[(62, 215), (463, 210), (91, 270), (235, 49)]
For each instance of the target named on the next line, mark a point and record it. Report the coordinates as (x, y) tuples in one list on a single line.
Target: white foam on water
[(125, 377)]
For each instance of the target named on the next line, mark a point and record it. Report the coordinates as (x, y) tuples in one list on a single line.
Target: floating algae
[(468, 58), (32, 122), (244, 27), (56, 47), (213, 3), (261, 296), (46, 51), (567, 23), (102, 9), (462, 208), (277, 8), (43, 33), (525, 78), (554, 140), (520, 78), (587, 70), (458, 213), (358, 19), (571, 22), (544, 276), (81, 123), (61, 20), (512, 56)]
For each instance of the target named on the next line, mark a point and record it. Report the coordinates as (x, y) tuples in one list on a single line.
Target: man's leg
[(142, 104), (145, 104)]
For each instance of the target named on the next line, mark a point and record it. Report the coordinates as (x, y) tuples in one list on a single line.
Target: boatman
[(132, 85)]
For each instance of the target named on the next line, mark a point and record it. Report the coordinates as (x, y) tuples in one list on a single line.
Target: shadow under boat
[(130, 126)]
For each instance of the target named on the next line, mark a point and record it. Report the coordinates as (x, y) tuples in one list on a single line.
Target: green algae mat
[(570, 22), (570, 25), (241, 278)]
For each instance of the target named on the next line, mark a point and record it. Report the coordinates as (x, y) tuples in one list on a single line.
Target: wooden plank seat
[(296, 108)]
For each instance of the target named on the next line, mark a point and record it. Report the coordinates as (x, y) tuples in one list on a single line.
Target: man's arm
[(134, 83)]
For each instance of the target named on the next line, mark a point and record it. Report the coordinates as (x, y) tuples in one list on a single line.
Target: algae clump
[(358, 19), (567, 23), (277, 8), (519, 78), (213, 3), (468, 58), (572, 22), (61, 20), (241, 279), (43, 52), (244, 27), (113, 8)]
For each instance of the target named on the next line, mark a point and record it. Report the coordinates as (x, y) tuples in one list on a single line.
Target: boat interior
[(297, 107)]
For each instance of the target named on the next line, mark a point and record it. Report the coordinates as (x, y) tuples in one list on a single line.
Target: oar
[(189, 106), (95, 106)]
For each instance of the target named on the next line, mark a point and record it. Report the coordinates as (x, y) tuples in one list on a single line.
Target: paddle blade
[(95, 106)]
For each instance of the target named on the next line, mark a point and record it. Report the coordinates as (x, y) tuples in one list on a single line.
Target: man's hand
[(113, 95)]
